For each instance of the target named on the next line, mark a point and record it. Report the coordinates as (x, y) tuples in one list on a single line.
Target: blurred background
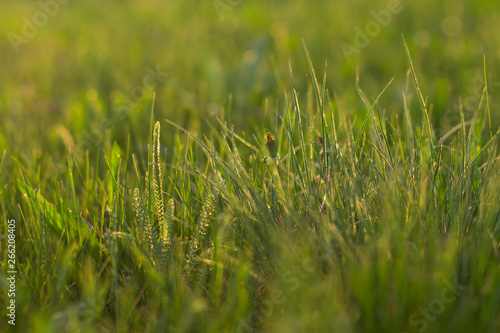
[(77, 75)]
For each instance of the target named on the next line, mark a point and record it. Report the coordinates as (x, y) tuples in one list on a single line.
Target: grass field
[(246, 166)]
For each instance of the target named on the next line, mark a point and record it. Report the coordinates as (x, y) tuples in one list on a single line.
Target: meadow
[(249, 166)]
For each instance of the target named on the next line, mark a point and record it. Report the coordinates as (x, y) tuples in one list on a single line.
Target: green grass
[(358, 234), (249, 197)]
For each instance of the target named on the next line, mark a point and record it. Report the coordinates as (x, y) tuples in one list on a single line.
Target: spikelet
[(143, 226), (154, 231), (157, 175), (162, 230), (140, 219), (206, 216), (199, 235), (149, 225), (166, 260)]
